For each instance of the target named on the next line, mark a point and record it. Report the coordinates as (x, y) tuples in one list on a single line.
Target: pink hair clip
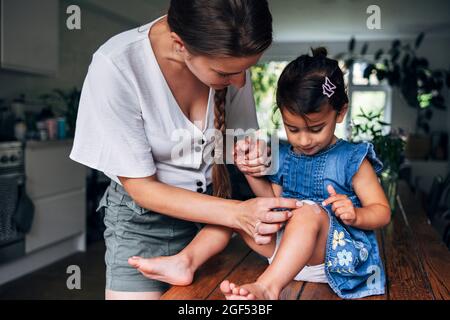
[(328, 87)]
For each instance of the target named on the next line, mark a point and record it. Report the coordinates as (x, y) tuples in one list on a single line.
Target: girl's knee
[(311, 214)]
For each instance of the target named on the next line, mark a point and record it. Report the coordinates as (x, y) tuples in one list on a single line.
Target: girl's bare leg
[(231, 290), (303, 243), (180, 268)]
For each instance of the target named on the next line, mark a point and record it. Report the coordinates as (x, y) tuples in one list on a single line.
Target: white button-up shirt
[(129, 123)]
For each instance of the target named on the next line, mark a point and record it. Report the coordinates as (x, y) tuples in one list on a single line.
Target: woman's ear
[(341, 114), (178, 44)]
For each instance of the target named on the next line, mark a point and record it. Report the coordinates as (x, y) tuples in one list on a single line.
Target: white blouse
[(129, 123)]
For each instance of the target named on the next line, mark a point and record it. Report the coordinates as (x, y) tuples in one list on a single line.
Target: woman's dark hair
[(222, 28), (300, 86)]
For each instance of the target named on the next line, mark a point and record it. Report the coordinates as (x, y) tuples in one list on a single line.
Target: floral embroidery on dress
[(363, 254), (345, 257), (343, 270), (338, 239)]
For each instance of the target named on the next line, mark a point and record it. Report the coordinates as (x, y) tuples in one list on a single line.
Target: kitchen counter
[(35, 144)]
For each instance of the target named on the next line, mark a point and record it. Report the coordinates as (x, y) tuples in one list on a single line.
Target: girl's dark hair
[(300, 86), (222, 28)]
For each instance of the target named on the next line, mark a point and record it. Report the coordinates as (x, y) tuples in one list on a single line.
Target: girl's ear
[(342, 113)]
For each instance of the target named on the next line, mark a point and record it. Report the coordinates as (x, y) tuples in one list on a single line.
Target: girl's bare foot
[(233, 292), (174, 270), (251, 291)]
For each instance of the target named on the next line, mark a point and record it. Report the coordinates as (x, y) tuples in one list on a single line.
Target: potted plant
[(419, 85), (66, 102), (389, 148)]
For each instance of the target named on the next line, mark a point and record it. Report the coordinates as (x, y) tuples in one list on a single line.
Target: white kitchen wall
[(76, 49)]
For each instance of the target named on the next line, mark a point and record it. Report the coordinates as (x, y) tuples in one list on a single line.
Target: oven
[(16, 209)]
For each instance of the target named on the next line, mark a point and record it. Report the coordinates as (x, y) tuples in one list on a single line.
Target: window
[(365, 96), (264, 78)]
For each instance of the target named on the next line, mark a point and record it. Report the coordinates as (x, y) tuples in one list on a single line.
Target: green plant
[(264, 79), (389, 147), (368, 125), (65, 102), (402, 67)]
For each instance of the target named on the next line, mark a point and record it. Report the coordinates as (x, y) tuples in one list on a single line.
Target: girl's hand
[(256, 219), (342, 206), (252, 157)]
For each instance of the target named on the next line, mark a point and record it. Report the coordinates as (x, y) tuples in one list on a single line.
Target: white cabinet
[(56, 185), (56, 218), (29, 35), (50, 171)]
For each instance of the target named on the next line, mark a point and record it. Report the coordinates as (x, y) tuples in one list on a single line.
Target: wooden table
[(417, 263)]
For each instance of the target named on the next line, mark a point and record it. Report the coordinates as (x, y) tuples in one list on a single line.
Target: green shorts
[(134, 231)]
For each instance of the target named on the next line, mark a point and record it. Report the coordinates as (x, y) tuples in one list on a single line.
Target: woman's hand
[(342, 206), (255, 217), (252, 157)]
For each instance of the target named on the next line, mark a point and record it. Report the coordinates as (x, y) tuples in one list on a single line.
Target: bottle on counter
[(62, 128), (18, 107), (46, 129), (20, 130), (51, 128), (42, 130)]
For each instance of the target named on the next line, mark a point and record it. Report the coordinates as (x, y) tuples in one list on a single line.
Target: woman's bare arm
[(261, 187), (183, 204), (154, 195)]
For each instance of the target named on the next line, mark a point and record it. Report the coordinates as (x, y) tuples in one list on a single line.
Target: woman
[(184, 71)]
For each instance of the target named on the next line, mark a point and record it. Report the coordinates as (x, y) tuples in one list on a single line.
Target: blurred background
[(396, 59)]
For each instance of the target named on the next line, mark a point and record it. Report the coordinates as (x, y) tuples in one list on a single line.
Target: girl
[(329, 239), (184, 71)]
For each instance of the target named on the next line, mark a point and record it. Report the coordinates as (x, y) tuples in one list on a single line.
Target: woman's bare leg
[(180, 268), (118, 295), (303, 243)]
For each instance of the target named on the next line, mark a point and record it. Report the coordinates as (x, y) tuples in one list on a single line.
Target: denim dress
[(353, 265)]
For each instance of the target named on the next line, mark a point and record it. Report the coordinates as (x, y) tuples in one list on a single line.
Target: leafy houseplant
[(67, 102), (419, 85), (264, 80), (389, 148)]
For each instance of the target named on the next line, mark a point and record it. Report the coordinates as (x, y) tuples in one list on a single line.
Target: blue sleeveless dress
[(352, 263)]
